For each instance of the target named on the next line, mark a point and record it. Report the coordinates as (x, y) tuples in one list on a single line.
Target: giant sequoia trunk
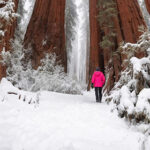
[(126, 24), (46, 32), (96, 55), (8, 26), (147, 2)]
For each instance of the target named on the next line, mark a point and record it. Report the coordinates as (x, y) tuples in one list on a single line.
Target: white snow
[(2, 33), (6, 87), (144, 12), (138, 63), (131, 93), (7, 12), (143, 103), (62, 122), (125, 102)]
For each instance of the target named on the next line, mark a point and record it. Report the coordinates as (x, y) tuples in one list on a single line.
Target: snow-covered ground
[(62, 122)]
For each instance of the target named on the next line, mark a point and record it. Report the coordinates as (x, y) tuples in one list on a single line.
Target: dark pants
[(98, 94)]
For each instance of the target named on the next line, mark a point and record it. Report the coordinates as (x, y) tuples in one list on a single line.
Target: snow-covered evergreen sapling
[(19, 74), (49, 76), (131, 93)]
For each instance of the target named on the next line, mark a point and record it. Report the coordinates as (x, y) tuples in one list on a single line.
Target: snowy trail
[(63, 122)]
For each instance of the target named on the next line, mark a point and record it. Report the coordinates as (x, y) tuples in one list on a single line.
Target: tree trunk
[(147, 2), (46, 32), (9, 29), (128, 19)]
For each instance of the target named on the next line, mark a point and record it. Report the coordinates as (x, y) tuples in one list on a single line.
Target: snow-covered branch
[(132, 93), (49, 76), (7, 14)]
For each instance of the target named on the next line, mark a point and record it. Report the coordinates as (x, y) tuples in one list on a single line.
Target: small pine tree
[(107, 13)]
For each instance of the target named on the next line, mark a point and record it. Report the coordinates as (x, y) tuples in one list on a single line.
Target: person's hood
[(97, 73)]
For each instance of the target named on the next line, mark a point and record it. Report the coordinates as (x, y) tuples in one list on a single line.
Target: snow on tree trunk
[(8, 16), (146, 15), (25, 9)]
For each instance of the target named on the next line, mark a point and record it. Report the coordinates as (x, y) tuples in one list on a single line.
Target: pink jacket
[(98, 79)]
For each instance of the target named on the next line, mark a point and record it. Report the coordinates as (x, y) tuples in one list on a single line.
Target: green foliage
[(107, 13), (106, 43)]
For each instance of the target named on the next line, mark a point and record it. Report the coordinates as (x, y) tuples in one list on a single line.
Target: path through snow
[(63, 122)]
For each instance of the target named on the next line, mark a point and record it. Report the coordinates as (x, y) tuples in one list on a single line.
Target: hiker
[(98, 80)]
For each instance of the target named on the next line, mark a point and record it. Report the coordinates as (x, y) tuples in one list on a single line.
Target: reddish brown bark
[(46, 31), (147, 2), (130, 18), (126, 23), (94, 36), (9, 29)]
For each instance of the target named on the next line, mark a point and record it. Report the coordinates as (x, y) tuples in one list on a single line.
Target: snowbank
[(8, 91)]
